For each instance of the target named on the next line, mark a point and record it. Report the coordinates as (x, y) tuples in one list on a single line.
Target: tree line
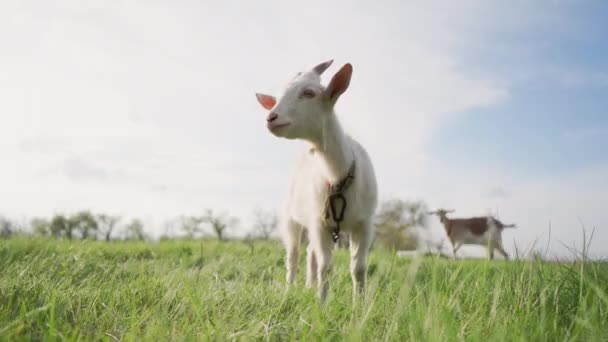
[(86, 225), (394, 221)]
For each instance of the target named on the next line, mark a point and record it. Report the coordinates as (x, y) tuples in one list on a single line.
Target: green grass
[(195, 290)]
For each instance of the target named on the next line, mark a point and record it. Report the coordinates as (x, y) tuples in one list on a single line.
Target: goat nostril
[(272, 116)]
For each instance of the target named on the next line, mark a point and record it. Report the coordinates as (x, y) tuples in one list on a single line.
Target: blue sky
[(534, 134), (555, 119), (146, 108)]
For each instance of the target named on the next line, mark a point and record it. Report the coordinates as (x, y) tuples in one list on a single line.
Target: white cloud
[(497, 192), (581, 134)]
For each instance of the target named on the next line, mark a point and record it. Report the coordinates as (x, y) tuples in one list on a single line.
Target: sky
[(147, 108)]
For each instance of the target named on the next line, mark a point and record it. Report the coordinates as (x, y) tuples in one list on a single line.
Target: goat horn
[(320, 68)]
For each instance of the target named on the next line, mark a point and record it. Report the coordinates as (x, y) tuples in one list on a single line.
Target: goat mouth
[(274, 127)]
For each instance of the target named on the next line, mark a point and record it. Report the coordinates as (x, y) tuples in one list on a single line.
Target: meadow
[(212, 290)]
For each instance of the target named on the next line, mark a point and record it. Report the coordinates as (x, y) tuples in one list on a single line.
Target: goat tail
[(512, 225)]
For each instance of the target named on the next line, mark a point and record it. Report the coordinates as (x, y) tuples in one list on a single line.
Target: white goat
[(305, 111)]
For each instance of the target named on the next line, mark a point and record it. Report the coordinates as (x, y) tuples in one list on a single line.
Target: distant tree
[(134, 230), (191, 225), (249, 240), (169, 227), (7, 227), (84, 222), (60, 226), (264, 223), (106, 225), (219, 223), (40, 226), (394, 220)]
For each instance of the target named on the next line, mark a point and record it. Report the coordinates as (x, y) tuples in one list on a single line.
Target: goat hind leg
[(491, 251), (502, 251)]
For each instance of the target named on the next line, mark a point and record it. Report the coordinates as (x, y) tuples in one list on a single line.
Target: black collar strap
[(336, 197)]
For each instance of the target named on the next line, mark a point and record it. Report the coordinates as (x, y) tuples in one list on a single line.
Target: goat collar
[(344, 183), (335, 196)]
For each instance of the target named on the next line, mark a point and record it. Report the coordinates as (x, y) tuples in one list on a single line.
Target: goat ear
[(339, 83), (266, 101), (320, 69)]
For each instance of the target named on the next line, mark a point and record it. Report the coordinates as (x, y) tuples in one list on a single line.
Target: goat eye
[(308, 93)]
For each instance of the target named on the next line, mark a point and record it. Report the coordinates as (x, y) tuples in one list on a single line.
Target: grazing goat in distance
[(334, 186), (484, 231)]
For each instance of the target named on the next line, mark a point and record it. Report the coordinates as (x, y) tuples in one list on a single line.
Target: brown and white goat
[(485, 231)]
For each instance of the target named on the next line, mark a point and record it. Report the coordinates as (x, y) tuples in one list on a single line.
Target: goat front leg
[(293, 236), (311, 272), (360, 242), (455, 247), (322, 246)]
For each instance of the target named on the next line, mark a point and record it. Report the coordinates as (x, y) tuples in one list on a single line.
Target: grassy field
[(178, 290)]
